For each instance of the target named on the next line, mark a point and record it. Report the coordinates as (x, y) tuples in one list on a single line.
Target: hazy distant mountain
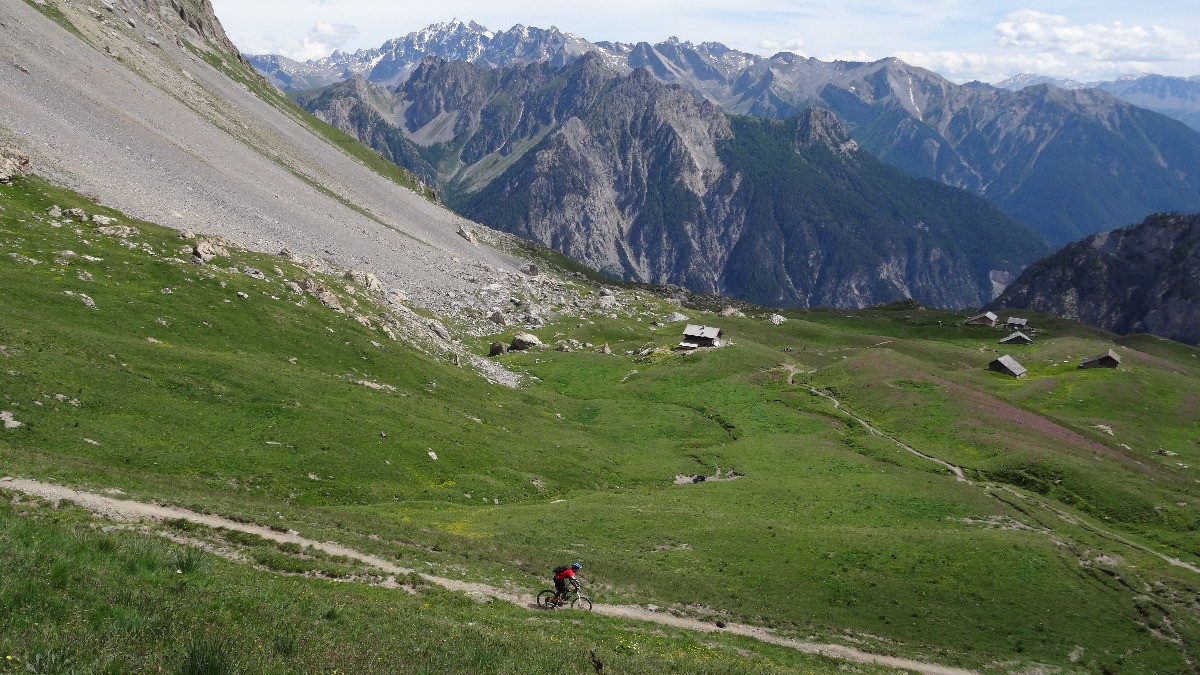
[(1066, 162), (645, 181), (1177, 97), (454, 41), (1139, 279)]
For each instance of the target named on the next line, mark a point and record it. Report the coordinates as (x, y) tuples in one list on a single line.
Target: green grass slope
[(233, 395)]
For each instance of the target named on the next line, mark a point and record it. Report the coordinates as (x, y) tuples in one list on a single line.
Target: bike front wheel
[(582, 603), (546, 598)]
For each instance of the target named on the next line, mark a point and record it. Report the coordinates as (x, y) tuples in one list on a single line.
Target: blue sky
[(987, 39)]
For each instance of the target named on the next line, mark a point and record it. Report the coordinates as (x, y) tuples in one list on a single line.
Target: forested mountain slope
[(641, 180)]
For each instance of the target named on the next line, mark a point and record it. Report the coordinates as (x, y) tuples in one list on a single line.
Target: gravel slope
[(181, 144)]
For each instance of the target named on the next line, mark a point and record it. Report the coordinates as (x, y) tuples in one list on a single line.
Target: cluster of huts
[(696, 336), (1020, 336)]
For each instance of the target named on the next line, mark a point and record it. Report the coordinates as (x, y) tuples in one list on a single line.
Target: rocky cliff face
[(1139, 279), (1067, 163), (179, 21), (645, 181)]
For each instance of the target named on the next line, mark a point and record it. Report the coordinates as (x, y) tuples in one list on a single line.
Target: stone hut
[(1007, 365), (1105, 359), (700, 336), (985, 319), (1017, 338)]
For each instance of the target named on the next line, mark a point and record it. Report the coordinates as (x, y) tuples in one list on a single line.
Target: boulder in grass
[(498, 349), (439, 330), (523, 341), (675, 317), (205, 250), (122, 231), (329, 299), (777, 319), (365, 279)]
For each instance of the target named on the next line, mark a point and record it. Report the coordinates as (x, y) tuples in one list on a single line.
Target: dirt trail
[(122, 510), (1112, 536), (958, 474)]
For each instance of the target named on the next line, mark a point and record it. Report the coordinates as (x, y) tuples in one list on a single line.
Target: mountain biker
[(564, 574)]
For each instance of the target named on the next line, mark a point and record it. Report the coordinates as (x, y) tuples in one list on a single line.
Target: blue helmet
[(575, 565)]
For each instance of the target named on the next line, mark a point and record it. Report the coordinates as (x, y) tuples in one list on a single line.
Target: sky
[(989, 40)]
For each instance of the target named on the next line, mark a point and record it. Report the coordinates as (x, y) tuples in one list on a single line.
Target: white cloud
[(794, 45), (987, 67), (1112, 42), (854, 56), (321, 40)]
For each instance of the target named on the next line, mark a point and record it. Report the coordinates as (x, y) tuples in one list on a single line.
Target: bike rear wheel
[(583, 603), (546, 598)]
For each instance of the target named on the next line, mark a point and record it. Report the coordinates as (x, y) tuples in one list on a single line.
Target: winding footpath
[(958, 472), (127, 510), (959, 475)]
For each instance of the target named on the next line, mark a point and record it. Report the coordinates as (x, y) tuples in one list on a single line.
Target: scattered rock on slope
[(13, 162)]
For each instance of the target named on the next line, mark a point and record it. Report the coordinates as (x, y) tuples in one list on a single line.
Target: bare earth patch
[(728, 474)]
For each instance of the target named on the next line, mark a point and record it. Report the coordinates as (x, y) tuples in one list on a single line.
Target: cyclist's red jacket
[(565, 574)]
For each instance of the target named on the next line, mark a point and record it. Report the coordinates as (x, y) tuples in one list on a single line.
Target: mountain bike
[(545, 600)]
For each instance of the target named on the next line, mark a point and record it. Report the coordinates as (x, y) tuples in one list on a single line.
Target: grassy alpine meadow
[(79, 599), (206, 387)]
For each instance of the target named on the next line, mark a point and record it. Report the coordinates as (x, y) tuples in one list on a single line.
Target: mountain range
[(1177, 97), (644, 181), (1066, 162)]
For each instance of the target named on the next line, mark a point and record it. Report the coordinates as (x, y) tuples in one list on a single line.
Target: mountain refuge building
[(1106, 359), (1017, 323), (985, 319), (1007, 365), (1017, 338), (695, 336)]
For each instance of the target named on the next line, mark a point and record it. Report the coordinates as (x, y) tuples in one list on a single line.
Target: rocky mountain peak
[(820, 127), (179, 17)]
